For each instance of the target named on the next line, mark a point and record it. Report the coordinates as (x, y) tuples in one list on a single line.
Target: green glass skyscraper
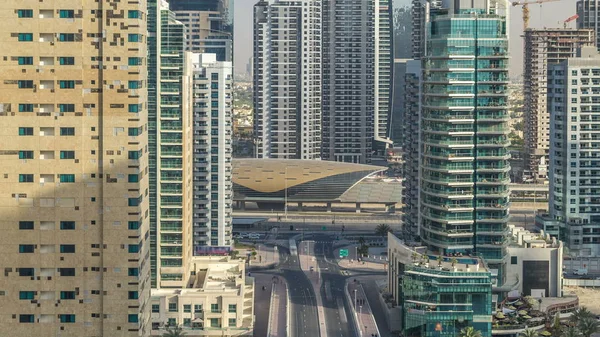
[(464, 141)]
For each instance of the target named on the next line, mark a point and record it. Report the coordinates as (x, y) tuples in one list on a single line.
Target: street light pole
[(355, 300)]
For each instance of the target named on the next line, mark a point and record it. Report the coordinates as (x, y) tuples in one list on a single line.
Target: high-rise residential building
[(411, 134), (213, 119), (209, 26), (384, 62), (171, 150), (574, 157), (589, 17), (421, 11), (287, 79), (464, 124), (544, 47), (74, 215)]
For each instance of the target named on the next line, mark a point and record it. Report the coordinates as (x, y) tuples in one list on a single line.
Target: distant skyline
[(549, 15)]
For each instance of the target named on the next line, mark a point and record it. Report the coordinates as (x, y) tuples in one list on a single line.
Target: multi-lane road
[(303, 319)]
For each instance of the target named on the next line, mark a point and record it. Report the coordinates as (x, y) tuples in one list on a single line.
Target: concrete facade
[(218, 300), (213, 119), (543, 48), (574, 160), (74, 166), (589, 17)]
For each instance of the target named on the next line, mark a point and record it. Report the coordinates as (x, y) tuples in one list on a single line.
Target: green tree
[(382, 229), (454, 261), (588, 326), (469, 332), (570, 332), (579, 315), (175, 331), (439, 259), (529, 333)]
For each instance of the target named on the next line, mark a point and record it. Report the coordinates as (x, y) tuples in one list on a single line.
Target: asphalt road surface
[(337, 310)]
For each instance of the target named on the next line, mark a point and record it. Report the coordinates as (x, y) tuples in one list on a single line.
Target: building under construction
[(544, 47)]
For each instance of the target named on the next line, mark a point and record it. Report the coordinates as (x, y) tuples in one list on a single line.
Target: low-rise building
[(217, 300), (436, 295)]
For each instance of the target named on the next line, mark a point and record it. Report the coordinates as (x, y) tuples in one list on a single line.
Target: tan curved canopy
[(270, 175)]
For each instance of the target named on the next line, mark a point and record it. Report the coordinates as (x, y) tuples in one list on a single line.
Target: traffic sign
[(343, 252)]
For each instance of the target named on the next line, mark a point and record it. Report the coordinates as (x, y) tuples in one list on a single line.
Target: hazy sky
[(548, 15)]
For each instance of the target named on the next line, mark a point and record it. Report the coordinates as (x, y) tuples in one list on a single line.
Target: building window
[(133, 295), (25, 84), (133, 248), (232, 322), (132, 318), (25, 13), (214, 308), (134, 84), (133, 202), (133, 272), (233, 308), (25, 178), (66, 14), (134, 38), (187, 308), (27, 318), (26, 295), (133, 225), (171, 321), (26, 249), (26, 225), (513, 260), (66, 107), (66, 61), (67, 318), (67, 131), (67, 225), (67, 271), (25, 37), (67, 154), (66, 37), (67, 295), (26, 272), (155, 308), (134, 155), (25, 107), (135, 61), (67, 249), (133, 14), (187, 321), (25, 131), (197, 307), (133, 131), (25, 60), (25, 154), (66, 178), (135, 108), (133, 178), (172, 307), (67, 84), (214, 322)]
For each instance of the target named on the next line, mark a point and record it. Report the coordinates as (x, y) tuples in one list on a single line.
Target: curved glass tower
[(465, 169)]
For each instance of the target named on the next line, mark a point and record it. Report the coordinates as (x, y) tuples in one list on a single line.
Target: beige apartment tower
[(73, 169), (543, 48)]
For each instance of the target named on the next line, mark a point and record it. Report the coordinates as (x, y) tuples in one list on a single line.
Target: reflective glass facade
[(465, 169)]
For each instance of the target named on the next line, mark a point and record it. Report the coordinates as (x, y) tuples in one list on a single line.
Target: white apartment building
[(287, 79), (213, 119), (574, 104), (218, 300)]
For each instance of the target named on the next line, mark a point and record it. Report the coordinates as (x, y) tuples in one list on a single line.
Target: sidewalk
[(278, 310), (362, 265), (366, 321), (308, 260), (265, 256)]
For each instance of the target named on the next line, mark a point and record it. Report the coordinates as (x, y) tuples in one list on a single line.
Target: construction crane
[(525, 4), (574, 17)]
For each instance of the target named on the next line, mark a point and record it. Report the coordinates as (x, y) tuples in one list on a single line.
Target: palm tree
[(175, 331), (570, 332), (589, 326), (454, 261), (382, 229), (414, 256), (469, 332), (439, 259), (580, 314), (529, 333)]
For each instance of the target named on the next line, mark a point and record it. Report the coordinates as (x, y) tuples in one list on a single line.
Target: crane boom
[(525, 5), (574, 17)]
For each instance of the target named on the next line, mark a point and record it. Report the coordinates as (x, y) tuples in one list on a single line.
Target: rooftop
[(522, 238)]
